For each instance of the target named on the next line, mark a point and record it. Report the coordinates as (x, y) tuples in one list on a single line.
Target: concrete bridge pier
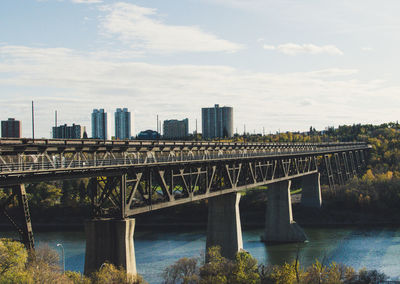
[(279, 224), (112, 241), (311, 191), (223, 228)]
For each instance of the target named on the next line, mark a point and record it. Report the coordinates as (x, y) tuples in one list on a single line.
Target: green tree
[(217, 268), (245, 271), (284, 274), (70, 193), (43, 194), (110, 274), (13, 258)]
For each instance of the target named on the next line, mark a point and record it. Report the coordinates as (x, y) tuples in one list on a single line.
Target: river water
[(372, 248)]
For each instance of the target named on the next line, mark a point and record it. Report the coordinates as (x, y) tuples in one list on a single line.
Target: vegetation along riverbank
[(17, 265)]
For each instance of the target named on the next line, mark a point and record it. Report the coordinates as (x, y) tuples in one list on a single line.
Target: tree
[(44, 267), (13, 258), (217, 269), (245, 271), (185, 271), (110, 274), (44, 194), (71, 193), (284, 274)]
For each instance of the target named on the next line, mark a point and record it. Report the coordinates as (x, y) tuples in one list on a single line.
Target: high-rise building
[(99, 124), (176, 129), (67, 132), (122, 124), (217, 122), (11, 128)]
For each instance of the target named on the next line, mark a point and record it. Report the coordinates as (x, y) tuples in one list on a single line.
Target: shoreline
[(196, 215), (172, 224)]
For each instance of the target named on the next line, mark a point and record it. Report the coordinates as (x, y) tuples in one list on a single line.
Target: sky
[(283, 65)]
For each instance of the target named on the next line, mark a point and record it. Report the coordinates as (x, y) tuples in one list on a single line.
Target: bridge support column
[(112, 241), (279, 224), (223, 228), (311, 191)]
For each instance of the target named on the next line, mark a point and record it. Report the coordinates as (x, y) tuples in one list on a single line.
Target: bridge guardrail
[(150, 157)]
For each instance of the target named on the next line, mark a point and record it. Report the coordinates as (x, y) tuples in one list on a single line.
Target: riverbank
[(195, 215)]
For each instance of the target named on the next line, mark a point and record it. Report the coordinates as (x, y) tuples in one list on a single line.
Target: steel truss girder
[(144, 189), (329, 171), (24, 225), (339, 169), (345, 166)]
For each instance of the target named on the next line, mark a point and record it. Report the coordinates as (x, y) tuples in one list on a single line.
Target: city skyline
[(281, 65)]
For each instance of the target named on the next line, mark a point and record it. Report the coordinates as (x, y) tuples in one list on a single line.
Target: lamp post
[(63, 257)]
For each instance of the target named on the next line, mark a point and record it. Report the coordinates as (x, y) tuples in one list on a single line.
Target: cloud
[(75, 82), (87, 1), (141, 28), (367, 49), (295, 49), (269, 47), (333, 72)]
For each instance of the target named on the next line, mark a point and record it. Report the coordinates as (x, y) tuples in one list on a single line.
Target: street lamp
[(63, 257)]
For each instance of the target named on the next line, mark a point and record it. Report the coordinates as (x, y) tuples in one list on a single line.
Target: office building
[(11, 128), (99, 124), (67, 132), (122, 124), (217, 122), (148, 135), (176, 129)]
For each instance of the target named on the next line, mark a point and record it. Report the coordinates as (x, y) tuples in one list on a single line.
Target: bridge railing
[(26, 142), (151, 157)]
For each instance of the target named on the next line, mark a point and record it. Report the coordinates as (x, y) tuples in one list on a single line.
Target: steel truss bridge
[(133, 177)]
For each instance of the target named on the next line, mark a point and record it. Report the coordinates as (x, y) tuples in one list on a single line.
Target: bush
[(217, 270), (370, 276), (185, 271), (76, 277), (13, 258), (110, 274)]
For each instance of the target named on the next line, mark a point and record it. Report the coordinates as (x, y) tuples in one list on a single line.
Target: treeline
[(377, 194), (384, 138), (378, 190), (245, 270)]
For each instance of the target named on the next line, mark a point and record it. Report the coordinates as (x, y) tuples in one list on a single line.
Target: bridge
[(128, 178)]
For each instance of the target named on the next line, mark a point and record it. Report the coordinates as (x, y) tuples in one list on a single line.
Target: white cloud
[(87, 1), (74, 83), (295, 49), (76, 1), (333, 72), (141, 28), (269, 47), (367, 49)]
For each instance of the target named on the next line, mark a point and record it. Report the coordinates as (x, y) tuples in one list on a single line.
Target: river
[(372, 248)]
